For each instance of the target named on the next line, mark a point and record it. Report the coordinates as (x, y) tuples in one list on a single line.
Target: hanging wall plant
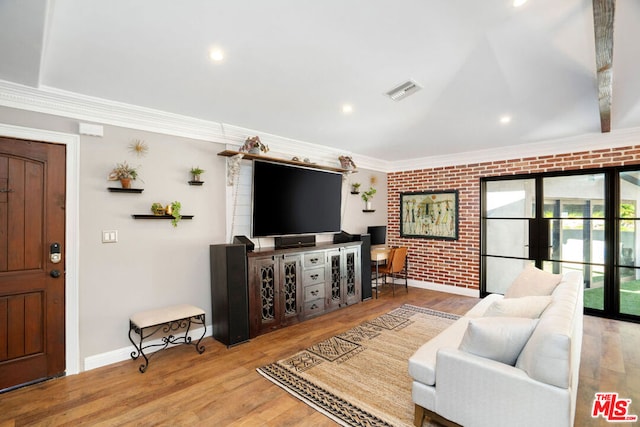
[(174, 212)]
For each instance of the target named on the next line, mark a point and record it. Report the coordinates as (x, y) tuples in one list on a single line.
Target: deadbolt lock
[(54, 253)]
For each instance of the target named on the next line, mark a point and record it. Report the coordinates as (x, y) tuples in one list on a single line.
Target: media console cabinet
[(282, 286)]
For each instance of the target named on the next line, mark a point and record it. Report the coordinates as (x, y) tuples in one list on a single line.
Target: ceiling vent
[(403, 90)]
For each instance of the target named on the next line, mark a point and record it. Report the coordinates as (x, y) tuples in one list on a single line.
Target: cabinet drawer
[(313, 307), (315, 275), (313, 292), (313, 259)]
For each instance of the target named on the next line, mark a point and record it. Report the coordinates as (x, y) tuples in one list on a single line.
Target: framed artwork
[(429, 215)]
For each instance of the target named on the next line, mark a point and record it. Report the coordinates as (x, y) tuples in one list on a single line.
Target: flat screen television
[(289, 200), (378, 234)]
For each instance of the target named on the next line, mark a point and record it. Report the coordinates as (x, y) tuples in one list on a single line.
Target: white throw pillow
[(533, 281), (497, 338), (530, 307)]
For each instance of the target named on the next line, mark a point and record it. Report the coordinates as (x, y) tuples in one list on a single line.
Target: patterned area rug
[(360, 377)]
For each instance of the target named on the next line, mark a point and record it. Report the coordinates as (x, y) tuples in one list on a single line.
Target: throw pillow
[(497, 338), (530, 307), (533, 281)]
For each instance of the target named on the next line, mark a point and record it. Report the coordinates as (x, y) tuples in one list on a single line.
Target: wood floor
[(221, 387)]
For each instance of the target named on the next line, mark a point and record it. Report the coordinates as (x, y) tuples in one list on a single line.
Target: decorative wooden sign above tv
[(249, 156)]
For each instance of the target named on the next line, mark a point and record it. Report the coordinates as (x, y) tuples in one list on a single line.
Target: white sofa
[(457, 382)]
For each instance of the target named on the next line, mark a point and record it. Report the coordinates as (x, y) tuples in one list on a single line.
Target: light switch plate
[(109, 236)]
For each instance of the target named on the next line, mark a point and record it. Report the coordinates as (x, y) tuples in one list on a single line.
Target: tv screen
[(295, 200), (378, 234)]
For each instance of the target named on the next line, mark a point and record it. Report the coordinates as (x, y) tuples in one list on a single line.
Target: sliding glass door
[(575, 217), (509, 208), (562, 222), (628, 265)]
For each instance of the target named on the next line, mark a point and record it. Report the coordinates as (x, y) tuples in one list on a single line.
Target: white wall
[(154, 264), (354, 220)]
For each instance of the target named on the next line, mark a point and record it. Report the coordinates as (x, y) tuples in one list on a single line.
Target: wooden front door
[(32, 284)]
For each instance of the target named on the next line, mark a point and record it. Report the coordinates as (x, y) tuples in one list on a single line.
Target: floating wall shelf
[(150, 216), (125, 190), (247, 156), (196, 182)]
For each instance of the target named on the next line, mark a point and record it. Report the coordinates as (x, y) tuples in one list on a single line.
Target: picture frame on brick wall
[(429, 215)]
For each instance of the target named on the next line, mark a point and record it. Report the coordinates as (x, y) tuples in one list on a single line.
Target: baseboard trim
[(121, 354), (445, 288), (115, 356)]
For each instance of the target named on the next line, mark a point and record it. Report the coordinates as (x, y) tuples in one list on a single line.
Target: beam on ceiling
[(603, 13)]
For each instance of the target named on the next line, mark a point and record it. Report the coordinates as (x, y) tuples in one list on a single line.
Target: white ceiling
[(290, 65)]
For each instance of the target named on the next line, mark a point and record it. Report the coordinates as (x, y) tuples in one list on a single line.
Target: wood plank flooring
[(221, 387)]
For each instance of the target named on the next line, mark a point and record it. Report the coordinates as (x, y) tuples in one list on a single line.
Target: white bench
[(165, 320)]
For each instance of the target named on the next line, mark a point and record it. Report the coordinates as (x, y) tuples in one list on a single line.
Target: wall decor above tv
[(290, 200)]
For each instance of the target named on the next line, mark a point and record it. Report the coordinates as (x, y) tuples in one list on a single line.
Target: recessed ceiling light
[(216, 54), (505, 119), (518, 3), (347, 109)]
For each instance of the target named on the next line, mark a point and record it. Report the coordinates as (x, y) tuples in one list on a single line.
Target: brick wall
[(457, 262)]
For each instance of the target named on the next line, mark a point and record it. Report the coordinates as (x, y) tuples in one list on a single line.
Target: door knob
[(55, 273)]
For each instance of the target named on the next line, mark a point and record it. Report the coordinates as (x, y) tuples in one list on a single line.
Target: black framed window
[(563, 221)]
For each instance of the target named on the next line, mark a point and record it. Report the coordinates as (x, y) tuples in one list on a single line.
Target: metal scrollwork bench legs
[(166, 321)]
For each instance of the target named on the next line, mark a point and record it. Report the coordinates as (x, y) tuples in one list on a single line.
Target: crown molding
[(88, 108), (58, 102), (63, 103)]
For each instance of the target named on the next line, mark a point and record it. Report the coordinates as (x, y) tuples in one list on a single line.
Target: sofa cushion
[(529, 307), (497, 338), (481, 307), (547, 355), (422, 365), (533, 281)]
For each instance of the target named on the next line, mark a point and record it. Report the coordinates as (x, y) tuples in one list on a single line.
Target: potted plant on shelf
[(195, 173), (124, 173), (355, 188), (367, 196), (158, 209), (174, 210), (253, 145)]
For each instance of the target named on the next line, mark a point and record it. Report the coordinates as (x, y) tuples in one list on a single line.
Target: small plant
[(355, 187), (123, 171), (175, 213), (368, 195), (196, 172), (254, 144), (158, 209)]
